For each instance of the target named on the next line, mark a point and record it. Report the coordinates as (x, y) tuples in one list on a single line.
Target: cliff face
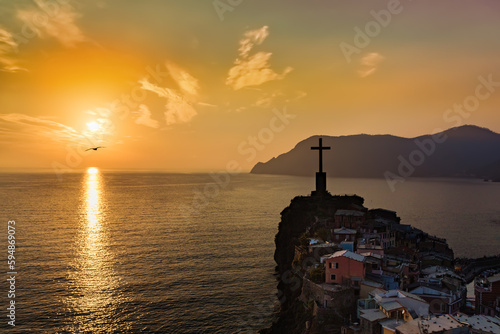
[(295, 220), (310, 306)]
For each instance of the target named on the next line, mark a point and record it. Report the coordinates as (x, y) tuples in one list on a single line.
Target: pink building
[(344, 267)]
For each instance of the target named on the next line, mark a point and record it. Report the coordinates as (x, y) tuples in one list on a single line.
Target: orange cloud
[(24, 125), (179, 106), (145, 117), (369, 64), (57, 22), (186, 82), (7, 47), (253, 70)]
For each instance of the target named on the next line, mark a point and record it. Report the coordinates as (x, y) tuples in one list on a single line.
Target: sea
[(144, 252)]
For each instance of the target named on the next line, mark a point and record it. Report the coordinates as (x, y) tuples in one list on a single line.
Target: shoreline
[(470, 268)]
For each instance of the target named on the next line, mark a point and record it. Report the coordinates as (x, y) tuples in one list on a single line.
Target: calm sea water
[(173, 253)]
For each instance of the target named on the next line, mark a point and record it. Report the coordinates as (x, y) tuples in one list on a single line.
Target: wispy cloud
[(253, 70), (145, 117), (186, 82), (7, 47), (179, 107), (369, 64), (252, 38), (278, 98), (28, 126), (58, 22)]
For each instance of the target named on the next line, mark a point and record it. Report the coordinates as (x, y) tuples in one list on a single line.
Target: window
[(333, 277), (333, 265)]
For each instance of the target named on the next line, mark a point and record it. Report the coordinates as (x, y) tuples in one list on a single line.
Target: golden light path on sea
[(93, 284)]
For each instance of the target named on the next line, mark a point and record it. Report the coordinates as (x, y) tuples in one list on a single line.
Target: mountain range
[(465, 151)]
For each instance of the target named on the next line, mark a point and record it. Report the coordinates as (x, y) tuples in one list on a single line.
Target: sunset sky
[(191, 85)]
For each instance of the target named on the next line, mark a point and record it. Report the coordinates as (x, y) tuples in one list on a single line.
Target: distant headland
[(465, 151)]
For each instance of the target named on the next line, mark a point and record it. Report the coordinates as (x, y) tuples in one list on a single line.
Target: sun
[(92, 170), (93, 126)]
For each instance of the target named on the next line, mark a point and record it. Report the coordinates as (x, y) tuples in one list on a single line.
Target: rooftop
[(348, 254), (344, 230), (391, 306), (372, 284), (495, 278), (372, 315), (437, 324), (395, 299), (480, 322), (391, 323), (371, 254)]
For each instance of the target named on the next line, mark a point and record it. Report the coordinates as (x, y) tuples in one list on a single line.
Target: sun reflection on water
[(93, 288)]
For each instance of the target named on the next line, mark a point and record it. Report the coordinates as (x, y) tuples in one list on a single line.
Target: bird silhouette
[(94, 148)]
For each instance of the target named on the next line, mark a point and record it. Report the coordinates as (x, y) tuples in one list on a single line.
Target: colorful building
[(344, 267)]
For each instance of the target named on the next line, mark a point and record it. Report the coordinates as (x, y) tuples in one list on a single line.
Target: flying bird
[(94, 148)]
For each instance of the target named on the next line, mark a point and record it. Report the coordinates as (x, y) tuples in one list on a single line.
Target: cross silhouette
[(320, 148)]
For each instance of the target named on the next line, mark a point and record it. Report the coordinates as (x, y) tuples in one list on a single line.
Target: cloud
[(253, 70), (145, 117), (186, 82), (53, 20), (252, 38), (28, 126), (178, 107), (369, 64), (278, 98), (7, 47)]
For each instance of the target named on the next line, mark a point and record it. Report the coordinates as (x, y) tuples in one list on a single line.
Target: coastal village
[(402, 279), (363, 271)]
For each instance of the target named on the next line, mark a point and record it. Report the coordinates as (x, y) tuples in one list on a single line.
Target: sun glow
[(92, 170), (93, 126)]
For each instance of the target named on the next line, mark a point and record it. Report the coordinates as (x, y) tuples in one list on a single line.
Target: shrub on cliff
[(317, 274)]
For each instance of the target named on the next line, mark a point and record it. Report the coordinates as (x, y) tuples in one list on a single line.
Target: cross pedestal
[(320, 181)]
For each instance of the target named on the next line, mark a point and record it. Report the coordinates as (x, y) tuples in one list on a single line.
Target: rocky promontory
[(301, 282), (296, 219)]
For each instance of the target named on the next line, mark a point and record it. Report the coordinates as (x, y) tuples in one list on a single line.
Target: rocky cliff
[(295, 314)]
